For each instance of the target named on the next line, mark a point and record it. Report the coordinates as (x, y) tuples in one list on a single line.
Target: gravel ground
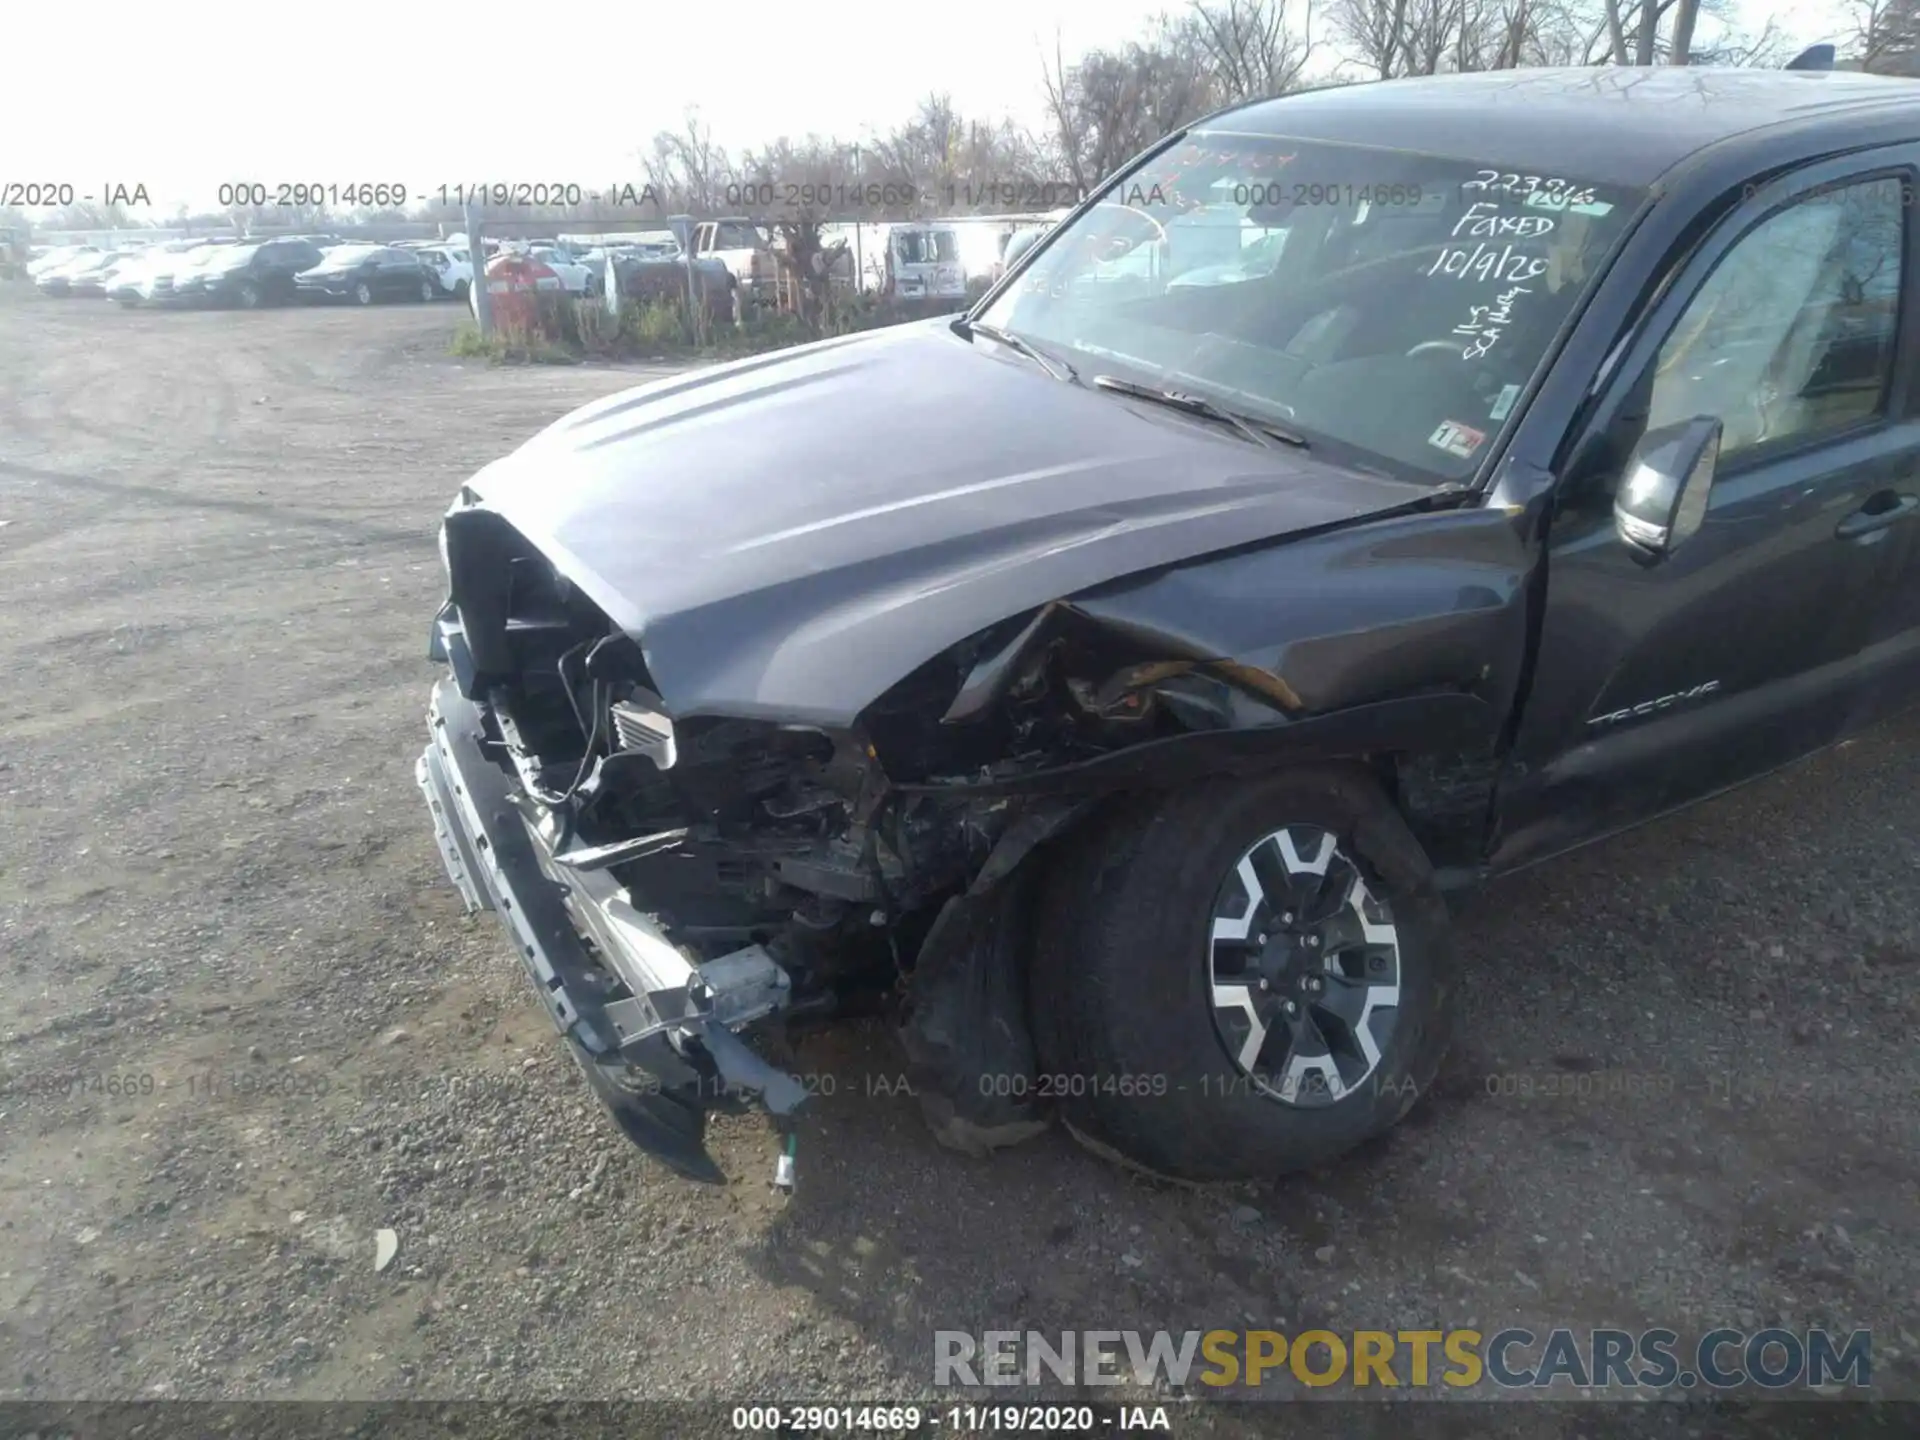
[(1684, 1094)]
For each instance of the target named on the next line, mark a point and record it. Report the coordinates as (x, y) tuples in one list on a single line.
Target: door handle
[(1864, 522)]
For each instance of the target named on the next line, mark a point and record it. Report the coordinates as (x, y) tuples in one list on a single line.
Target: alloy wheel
[(1304, 965)]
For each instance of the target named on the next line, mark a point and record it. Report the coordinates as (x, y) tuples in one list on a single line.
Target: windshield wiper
[(1052, 364), (1261, 432)]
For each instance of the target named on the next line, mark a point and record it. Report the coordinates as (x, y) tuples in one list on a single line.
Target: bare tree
[(1886, 37), (1375, 30), (1686, 13), (813, 173), (950, 162), (1250, 46), (689, 168), (1113, 104), (1393, 38)]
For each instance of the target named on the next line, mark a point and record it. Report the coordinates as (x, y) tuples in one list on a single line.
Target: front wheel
[(428, 290), (1244, 979), (363, 293), (249, 295)]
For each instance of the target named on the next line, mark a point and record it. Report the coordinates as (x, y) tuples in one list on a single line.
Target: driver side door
[(1661, 681)]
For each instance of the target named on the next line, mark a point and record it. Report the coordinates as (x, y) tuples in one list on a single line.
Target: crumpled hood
[(788, 536)]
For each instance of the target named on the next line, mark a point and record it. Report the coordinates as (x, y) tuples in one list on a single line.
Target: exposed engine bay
[(804, 868), (702, 877)]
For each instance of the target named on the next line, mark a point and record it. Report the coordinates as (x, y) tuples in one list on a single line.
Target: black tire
[(363, 293), (428, 292), (1122, 984), (250, 296), (460, 291)]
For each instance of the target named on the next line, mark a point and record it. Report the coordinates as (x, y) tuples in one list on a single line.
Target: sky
[(181, 98)]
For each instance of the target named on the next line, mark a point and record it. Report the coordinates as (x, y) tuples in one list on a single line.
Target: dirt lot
[(1685, 1092)]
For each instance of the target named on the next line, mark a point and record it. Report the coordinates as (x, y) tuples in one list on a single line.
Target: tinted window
[(1792, 334)]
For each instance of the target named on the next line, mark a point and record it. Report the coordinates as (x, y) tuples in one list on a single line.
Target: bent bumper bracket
[(500, 860)]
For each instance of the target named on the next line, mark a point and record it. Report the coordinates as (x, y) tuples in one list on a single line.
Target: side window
[(1792, 335)]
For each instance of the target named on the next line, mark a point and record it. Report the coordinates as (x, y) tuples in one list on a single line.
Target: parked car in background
[(94, 281), (154, 282), (189, 281), (60, 279), (124, 283), (451, 267), (743, 247), (56, 258), (578, 279), (368, 274), (254, 275)]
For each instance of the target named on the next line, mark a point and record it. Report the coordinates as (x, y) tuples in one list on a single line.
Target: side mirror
[(1663, 496)]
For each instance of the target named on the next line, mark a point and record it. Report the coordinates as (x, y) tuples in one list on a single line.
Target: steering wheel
[(1434, 347)]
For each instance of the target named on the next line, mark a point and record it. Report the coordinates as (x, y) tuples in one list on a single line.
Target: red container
[(513, 283)]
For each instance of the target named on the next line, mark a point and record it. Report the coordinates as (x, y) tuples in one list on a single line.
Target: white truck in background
[(739, 244)]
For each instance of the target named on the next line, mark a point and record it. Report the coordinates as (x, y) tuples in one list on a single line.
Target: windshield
[(1382, 302), (738, 235), (926, 247)]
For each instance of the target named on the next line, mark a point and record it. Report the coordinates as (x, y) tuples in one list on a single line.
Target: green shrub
[(567, 330)]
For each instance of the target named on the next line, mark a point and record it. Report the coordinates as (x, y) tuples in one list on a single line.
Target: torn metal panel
[(1362, 614)]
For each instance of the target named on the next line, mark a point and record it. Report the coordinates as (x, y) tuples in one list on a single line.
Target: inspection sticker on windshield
[(1503, 402), (1457, 439)]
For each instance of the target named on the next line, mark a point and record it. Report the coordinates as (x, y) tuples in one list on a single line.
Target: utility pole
[(477, 263)]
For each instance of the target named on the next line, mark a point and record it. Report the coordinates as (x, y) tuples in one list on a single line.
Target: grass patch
[(509, 347)]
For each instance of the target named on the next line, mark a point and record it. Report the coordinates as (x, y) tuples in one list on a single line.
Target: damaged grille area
[(773, 857), (830, 848), (721, 874)]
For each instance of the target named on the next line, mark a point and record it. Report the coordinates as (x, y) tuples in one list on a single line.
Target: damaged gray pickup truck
[(1114, 683)]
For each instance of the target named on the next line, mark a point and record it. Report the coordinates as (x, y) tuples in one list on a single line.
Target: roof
[(1614, 124)]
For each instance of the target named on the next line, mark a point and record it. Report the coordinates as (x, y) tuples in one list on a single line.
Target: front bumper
[(652, 1030)]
